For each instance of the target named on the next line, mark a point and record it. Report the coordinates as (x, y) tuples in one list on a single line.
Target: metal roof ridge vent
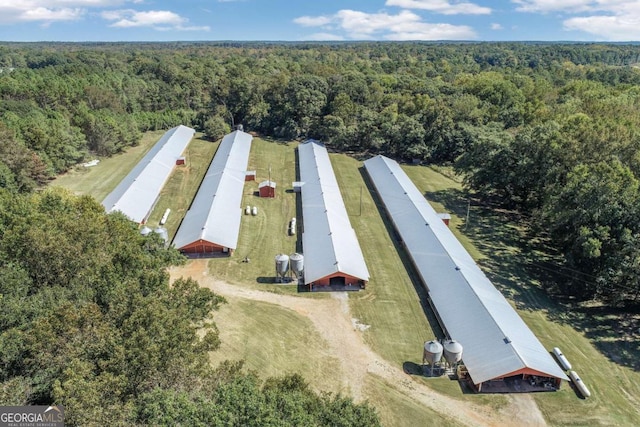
[(457, 268), (507, 340)]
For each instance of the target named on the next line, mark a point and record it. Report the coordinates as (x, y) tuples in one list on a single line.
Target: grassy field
[(264, 235), (512, 259), (183, 184), (392, 304), (275, 341), (101, 179)]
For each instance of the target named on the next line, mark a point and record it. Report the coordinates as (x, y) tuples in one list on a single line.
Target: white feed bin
[(297, 264), (432, 352), (282, 264), (452, 352), (163, 233)]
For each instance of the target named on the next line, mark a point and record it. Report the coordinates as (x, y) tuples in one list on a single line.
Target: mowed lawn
[(497, 240), (98, 181), (265, 235), (273, 341), (183, 184), (393, 304)]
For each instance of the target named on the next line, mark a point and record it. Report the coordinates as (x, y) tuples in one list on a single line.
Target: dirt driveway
[(345, 340)]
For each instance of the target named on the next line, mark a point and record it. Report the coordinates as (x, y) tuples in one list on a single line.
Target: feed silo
[(452, 352), (163, 233), (432, 353), (282, 266), (297, 265), (145, 231)]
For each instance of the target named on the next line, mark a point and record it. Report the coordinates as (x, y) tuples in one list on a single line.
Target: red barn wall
[(267, 191), (202, 247)]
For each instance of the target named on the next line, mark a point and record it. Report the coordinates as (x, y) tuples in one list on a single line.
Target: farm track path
[(332, 319)]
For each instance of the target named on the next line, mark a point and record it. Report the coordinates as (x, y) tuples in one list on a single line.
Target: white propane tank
[(254, 211), (564, 363), (165, 216), (577, 381)]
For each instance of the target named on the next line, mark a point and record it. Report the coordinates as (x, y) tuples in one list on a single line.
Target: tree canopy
[(89, 320)]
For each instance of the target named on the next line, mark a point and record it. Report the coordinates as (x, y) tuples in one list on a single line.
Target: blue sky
[(162, 20)]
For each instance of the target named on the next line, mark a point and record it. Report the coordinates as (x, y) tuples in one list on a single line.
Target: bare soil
[(332, 319)]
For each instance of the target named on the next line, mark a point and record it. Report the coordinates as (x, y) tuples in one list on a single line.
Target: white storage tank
[(432, 353), (297, 264), (577, 381), (254, 210), (452, 352), (165, 217), (562, 360), (282, 265), (163, 233), (145, 231), (247, 210)]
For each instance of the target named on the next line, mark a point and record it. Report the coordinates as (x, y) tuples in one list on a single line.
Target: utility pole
[(466, 223)]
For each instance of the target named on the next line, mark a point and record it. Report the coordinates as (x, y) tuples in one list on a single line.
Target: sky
[(326, 20)]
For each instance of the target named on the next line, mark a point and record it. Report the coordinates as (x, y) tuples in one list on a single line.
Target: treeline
[(549, 129), (90, 322)]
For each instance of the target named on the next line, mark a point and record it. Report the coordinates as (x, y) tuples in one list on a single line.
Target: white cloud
[(405, 25), (616, 7), (158, 19), (50, 15), (48, 11), (613, 28), (445, 7), (555, 5), (615, 20), (496, 26), (312, 21), (131, 18)]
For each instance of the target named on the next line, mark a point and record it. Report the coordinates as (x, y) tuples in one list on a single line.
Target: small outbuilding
[(250, 176), (445, 217), (267, 189)]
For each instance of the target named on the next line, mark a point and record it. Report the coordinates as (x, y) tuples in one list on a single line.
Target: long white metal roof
[(214, 215), (496, 340), (329, 243), (138, 191)]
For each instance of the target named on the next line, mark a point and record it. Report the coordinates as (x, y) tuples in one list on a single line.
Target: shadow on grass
[(411, 368), (524, 268), (615, 332)]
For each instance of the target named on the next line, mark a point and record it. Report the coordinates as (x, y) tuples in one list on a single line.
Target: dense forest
[(549, 130)]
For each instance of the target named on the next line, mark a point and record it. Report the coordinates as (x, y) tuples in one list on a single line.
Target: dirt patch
[(331, 318)]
